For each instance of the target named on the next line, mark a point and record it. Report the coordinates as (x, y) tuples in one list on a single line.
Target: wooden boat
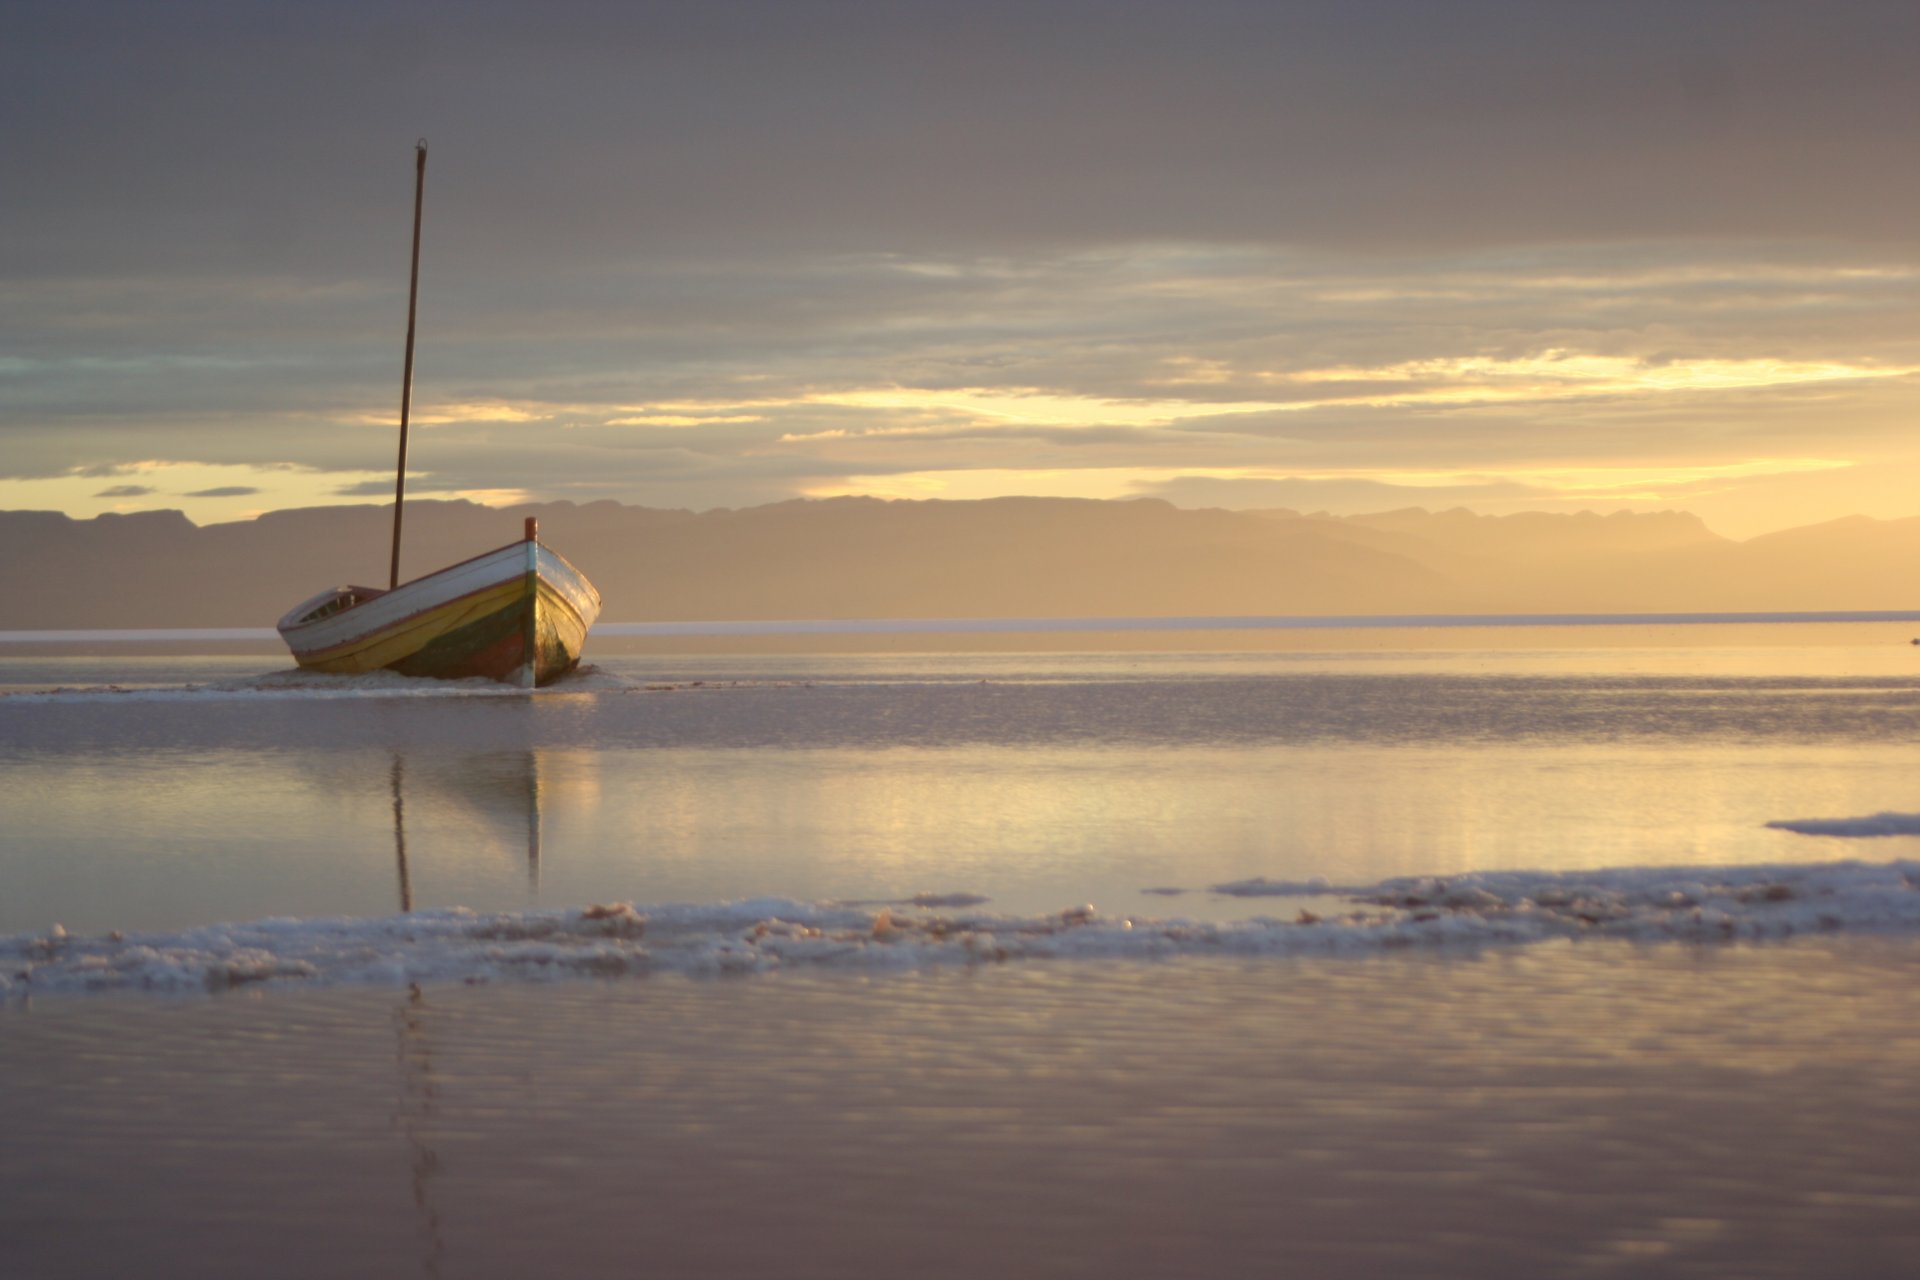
[(518, 614)]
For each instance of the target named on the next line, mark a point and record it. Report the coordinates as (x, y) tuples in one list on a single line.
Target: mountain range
[(1003, 557)]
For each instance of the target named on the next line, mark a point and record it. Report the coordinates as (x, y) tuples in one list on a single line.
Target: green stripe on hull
[(489, 646), (496, 646)]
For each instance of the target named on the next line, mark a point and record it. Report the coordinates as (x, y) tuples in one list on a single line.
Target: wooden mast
[(406, 381)]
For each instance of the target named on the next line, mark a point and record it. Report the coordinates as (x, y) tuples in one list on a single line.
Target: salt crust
[(764, 935)]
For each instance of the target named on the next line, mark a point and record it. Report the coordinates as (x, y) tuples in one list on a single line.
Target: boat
[(518, 614)]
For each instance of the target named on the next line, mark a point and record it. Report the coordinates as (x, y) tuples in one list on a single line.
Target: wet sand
[(1568, 1110)]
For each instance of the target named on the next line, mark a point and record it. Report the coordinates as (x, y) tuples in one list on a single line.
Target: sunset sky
[(1331, 256)]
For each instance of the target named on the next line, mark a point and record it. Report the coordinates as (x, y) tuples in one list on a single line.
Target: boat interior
[(340, 598)]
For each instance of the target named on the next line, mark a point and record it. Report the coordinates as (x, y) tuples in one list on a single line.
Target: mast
[(406, 381)]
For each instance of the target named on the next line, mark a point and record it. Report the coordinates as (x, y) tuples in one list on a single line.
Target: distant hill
[(1005, 557)]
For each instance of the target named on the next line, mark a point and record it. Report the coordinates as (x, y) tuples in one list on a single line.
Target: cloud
[(1382, 126), (1212, 357), (225, 491), (1314, 244), (445, 414), (364, 489), (126, 491), (684, 420)]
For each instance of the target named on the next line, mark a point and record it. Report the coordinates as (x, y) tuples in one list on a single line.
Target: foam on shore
[(764, 935)]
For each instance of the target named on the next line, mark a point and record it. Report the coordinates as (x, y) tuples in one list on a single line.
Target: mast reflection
[(414, 1108), (414, 1117), (533, 824), (503, 791), (400, 833)]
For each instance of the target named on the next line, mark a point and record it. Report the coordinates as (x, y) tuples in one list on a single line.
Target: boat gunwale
[(360, 638), (383, 592), (345, 617)]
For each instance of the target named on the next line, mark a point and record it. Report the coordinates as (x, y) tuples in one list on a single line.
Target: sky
[(1349, 256)]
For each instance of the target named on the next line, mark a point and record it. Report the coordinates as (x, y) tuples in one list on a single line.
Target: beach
[(1573, 1110), (1478, 960)]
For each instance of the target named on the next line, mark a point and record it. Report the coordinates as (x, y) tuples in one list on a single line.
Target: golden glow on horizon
[(208, 492), (447, 414), (1032, 406), (488, 497), (1559, 372), (683, 420), (1551, 375), (1623, 483), (1605, 481), (240, 492), (1086, 482), (826, 427)]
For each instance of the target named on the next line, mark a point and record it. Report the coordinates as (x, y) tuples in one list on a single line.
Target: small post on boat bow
[(406, 381)]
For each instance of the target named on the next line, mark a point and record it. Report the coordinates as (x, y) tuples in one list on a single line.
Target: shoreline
[(1479, 912)]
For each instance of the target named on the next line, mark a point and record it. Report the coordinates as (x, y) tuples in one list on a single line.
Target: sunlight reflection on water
[(1039, 781)]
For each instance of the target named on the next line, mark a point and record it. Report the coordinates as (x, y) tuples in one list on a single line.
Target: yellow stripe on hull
[(519, 614), (408, 636)]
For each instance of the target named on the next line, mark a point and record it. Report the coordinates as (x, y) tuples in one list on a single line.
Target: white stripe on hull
[(308, 636)]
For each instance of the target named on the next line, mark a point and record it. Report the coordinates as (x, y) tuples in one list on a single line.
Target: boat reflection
[(472, 803), (414, 1117), (415, 1107), (400, 831)]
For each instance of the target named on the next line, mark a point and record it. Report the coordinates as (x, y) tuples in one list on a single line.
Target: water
[(1521, 1116), (1182, 1083), (1036, 781)]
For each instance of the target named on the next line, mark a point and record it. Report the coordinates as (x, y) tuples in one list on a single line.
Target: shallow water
[(1036, 781), (1467, 1092), (1565, 1111)]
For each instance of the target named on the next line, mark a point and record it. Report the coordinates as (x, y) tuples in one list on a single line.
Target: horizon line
[(1299, 513), (1014, 626)]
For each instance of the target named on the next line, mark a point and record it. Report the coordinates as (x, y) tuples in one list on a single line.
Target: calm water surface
[(1576, 1110), (1559, 1112), (1038, 781)]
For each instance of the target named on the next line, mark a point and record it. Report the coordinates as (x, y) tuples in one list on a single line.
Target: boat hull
[(519, 614)]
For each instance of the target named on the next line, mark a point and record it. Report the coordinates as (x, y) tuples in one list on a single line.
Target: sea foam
[(765, 935)]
